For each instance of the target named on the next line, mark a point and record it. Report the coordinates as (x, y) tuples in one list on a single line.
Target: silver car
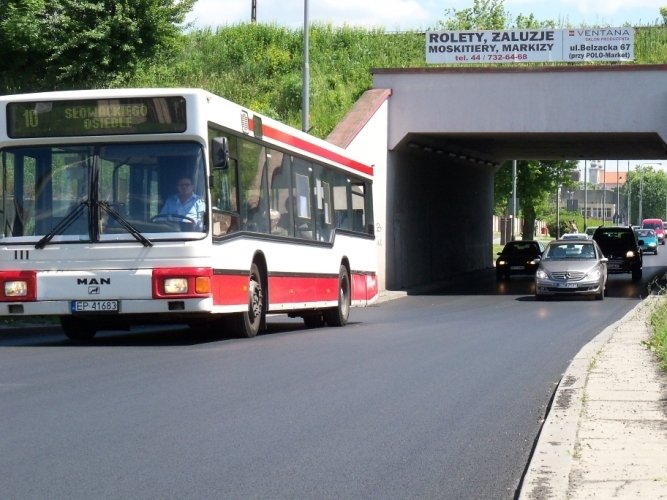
[(570, 267)]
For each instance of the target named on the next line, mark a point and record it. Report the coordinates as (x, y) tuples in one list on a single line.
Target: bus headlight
[(18, 288), (175, 286), (182, 282)]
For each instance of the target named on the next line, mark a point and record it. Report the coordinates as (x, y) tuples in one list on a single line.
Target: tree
[(483, 15), (489, 15), (648, 187), (535, 181), (63, 44)]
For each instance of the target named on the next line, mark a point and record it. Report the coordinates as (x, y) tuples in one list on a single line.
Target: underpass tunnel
[(439, 208), (440, 196), (437, 136)]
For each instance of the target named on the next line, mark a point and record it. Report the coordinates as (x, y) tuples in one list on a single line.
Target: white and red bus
[(282, 223)]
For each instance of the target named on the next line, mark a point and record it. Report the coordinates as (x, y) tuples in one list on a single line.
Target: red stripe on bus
[(231, 289), (364, 286), (285, 138), (290, 289)]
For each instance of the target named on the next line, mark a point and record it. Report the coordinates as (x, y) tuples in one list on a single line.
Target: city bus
[(278, 221)]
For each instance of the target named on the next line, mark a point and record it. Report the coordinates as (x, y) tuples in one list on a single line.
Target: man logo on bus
[(93, 281)]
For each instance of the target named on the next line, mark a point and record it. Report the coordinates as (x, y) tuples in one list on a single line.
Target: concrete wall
[(370, 145), (439, 219), (575, 100)]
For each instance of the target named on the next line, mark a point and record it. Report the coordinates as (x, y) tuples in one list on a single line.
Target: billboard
[(529, 46)]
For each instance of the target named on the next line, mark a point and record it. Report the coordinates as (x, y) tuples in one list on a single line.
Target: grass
[(19, 321), (658, 341)]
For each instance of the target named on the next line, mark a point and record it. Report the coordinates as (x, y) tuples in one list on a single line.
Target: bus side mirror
[(220, 152)]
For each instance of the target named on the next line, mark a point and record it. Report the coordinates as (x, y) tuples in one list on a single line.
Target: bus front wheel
[(248, 323), (337, 316)]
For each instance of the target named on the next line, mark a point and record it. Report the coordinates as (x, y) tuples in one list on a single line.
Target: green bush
[(261, 66), (658, 342)]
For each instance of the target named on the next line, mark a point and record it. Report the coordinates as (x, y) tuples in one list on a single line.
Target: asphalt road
[(429, 396)]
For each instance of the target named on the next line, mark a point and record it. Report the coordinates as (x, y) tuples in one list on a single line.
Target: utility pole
[(585, 194), (305, 98), (253, 11), (604, 193), (618, 197), (513, 216)]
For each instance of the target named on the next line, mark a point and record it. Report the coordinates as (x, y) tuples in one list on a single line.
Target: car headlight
[(502, 262), (594, 274), (541, 274), (630, 254)]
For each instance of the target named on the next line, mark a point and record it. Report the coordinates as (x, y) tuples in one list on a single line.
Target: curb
[(548, 473)]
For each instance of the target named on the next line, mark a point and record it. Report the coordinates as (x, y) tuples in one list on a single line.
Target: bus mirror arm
[(220, 152)]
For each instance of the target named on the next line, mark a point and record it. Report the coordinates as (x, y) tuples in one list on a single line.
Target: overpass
[(437, 136)]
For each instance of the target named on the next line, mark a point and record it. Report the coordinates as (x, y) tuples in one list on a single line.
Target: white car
[(574, 236)]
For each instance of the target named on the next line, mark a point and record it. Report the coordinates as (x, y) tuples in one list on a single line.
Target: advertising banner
[(543, 45)]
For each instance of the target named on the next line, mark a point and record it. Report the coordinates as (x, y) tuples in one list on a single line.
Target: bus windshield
[(103, 192)]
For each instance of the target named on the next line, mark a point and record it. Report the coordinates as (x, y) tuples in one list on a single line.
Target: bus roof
[(222, 112)]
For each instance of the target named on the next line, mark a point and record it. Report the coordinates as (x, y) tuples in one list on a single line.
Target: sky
[(402, 15)]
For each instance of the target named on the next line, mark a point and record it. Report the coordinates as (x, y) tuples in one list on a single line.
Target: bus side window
[(341, 205), (302, 208), (362, 208), (254, 202), (280, 172), (324, 217)]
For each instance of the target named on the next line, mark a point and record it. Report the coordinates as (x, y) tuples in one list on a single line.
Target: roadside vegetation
[(658, 342)]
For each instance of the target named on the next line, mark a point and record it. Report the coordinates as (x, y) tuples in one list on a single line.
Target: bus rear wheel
[(77, 330), (248, 323), (338, 316)]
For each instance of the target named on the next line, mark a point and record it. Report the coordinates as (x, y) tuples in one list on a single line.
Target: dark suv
[(621, 247)]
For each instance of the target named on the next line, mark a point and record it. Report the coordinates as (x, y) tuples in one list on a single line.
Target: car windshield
[(570, 251), (520, 248), (643, 233), (615, 239)]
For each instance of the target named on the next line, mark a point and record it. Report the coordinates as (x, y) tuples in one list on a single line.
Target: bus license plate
[(98, 306)]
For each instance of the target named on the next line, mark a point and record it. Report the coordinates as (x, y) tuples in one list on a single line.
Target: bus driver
[(185, 203)]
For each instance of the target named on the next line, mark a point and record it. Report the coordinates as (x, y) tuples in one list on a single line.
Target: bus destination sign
[(135, 115)]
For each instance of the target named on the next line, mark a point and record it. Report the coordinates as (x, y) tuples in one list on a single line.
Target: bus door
[(302, 199)]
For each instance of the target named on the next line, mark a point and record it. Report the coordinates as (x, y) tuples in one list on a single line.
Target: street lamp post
[(558, 211), (641, 200), (585, 194), (629, 202), (305, 98)]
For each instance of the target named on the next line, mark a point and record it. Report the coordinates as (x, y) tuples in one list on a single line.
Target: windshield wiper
[(125, 223), (62, 225)]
